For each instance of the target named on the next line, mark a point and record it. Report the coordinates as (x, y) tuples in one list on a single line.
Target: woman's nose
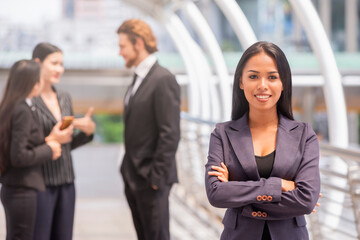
[(60, 69), (262, 83)]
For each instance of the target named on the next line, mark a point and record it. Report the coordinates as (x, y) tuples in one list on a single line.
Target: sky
[(30, 12)]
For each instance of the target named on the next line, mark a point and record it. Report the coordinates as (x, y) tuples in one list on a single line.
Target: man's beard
[(133, 60)]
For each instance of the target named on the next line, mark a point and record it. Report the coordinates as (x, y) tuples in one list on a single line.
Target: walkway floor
[(102, 212)]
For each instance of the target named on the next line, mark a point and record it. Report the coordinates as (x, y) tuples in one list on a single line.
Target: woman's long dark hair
[(42, 50), (239, 103), (23, 76)]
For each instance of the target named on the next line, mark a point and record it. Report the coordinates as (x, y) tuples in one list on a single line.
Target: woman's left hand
[(222, 172), (85, 124), (317, 204)]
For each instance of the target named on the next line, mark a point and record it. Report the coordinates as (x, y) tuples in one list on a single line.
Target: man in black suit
[(152, 132)]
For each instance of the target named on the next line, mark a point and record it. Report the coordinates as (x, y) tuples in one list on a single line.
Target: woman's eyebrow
[(259, 72), (254, 71)]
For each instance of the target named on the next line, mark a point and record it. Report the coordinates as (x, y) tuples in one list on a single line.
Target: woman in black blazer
[(55, 217), (22, 150)]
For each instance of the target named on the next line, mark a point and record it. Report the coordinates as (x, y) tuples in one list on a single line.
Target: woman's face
[(52, 68), (261, 82)]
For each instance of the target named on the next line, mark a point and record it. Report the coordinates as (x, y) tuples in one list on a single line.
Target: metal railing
[(192, 155), (338, 217)]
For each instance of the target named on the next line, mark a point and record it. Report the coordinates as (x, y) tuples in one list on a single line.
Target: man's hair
[(137, 28)]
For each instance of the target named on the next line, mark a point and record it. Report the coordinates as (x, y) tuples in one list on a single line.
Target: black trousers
[(150, 212), (20, 211), (55, 213)]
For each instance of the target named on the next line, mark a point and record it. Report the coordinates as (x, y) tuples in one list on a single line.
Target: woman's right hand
[(287, 185), (55, 147), (61, 136)]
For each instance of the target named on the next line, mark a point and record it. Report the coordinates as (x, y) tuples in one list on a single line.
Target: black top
[(265, 165)]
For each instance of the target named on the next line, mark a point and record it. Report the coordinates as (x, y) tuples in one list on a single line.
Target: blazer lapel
[(126, 106), (64, 108), (240, 139), (287, 146), (143, 83), (40, 104), (34, 114), (145, 80)]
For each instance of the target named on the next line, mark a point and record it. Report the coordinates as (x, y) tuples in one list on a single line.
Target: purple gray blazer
[(250, 199)]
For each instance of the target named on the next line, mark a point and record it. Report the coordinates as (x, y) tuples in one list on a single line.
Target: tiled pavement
[(102, 212)]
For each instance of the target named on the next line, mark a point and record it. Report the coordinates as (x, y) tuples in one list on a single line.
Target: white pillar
[(325, 15), (351, 25), (333, 92), (308, 104), (196, 64), (238, 21), (297, 33), (353, 127), (212, 47)]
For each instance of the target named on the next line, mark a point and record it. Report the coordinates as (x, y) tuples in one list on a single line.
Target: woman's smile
[(262, 97)]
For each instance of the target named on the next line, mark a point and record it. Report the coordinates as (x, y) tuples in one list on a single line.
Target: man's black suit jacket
[(152, 131), (28, 150)]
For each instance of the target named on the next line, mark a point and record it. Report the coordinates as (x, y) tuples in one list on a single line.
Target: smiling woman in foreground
[(263, 165)]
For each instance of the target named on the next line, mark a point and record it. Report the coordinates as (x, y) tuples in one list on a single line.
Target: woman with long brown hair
[(22, 150)]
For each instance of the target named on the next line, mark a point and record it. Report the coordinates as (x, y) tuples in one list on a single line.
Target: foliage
[(109, 128)]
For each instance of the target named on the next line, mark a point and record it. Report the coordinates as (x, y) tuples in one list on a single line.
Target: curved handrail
[(192, 152), (345, 153), (208, 39)]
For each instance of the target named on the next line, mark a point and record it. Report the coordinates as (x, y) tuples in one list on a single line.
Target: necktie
[(129, 93)]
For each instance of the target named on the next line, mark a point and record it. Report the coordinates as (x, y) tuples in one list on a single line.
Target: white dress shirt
[(28, 102), (142, 70)]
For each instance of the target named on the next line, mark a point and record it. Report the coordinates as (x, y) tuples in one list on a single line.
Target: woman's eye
[(273, 77), (252, 76), (58, 64)]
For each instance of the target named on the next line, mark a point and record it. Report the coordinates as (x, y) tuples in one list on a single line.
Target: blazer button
[(264, 214), (259, 198), (264, 197), (269, 198), (254, 214), (259, 214)]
